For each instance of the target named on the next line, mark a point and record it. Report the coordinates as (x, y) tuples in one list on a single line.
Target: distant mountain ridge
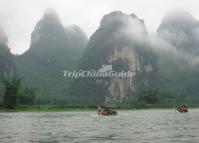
[(51, 51)]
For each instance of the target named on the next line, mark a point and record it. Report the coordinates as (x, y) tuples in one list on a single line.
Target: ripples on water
[(136, 126)]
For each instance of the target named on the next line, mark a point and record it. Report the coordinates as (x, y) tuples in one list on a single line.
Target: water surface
[(136, 126)]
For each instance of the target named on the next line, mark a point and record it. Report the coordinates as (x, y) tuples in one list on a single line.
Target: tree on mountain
[(12, 87)]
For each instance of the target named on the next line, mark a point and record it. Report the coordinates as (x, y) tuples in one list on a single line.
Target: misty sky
[(18, 17)]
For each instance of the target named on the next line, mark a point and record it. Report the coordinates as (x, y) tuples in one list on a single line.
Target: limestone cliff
[(120, 41)]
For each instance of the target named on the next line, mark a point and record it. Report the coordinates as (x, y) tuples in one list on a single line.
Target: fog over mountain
[(181, 30), (3, 37), (178, 34), (7, 65), (19, 17), (167, 60), (177, 49)]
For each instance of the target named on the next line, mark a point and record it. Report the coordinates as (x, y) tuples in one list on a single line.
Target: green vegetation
[(26, 96), (18, 99), (12, 87), (154, 98), (47, 108), (14, 94)]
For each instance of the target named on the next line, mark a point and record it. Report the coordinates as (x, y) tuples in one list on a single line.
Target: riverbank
[(57, 108), (46, 108)]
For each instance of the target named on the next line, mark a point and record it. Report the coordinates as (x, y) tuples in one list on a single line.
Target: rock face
[(52, 50), (120, 41)]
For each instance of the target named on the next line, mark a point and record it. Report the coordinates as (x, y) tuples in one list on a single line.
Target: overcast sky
[(18, 17)]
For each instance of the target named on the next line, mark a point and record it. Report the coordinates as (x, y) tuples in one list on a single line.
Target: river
[(133, 126)]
